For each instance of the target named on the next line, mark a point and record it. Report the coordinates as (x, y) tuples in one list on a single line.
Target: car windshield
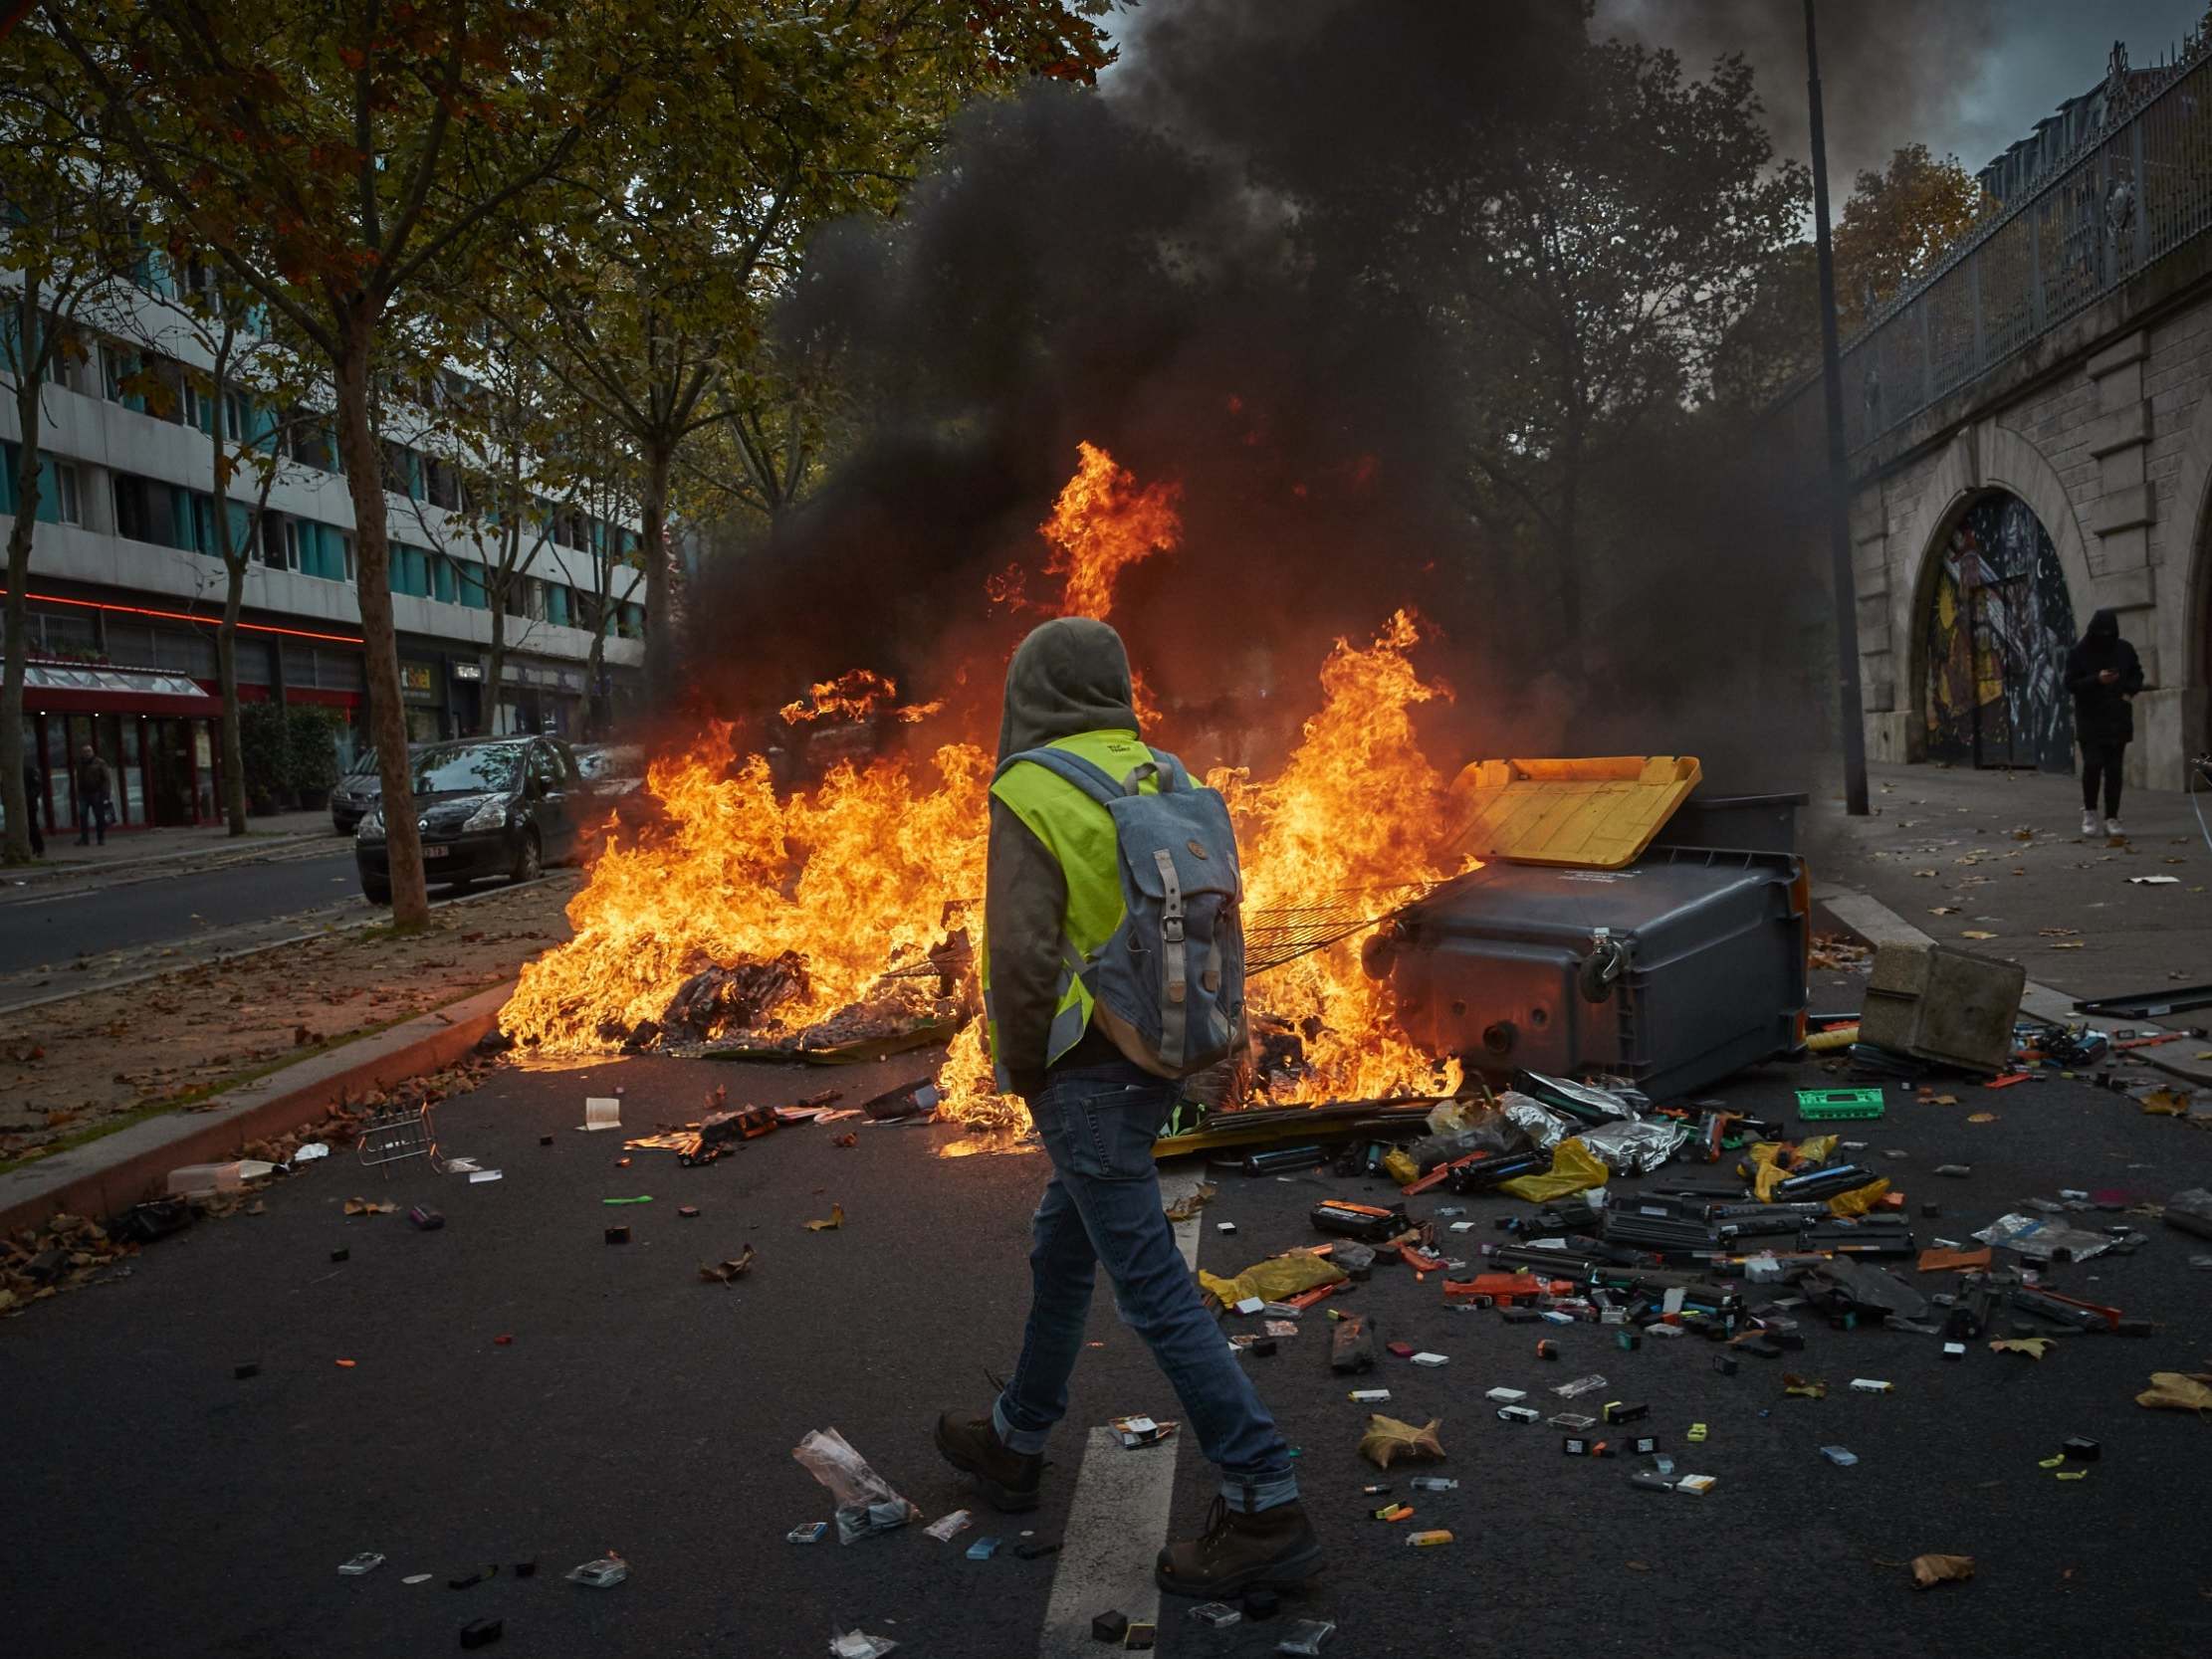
[(482, 767), (364, 764)]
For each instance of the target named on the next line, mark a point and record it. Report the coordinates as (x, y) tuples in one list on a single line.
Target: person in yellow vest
[(1053, 883)]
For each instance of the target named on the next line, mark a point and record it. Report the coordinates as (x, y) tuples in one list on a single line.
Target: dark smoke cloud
[(1963, 77), (1124, 268)]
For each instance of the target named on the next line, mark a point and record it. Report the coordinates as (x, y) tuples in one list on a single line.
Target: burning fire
[(868, 870), (1103, 523), (854, 696)]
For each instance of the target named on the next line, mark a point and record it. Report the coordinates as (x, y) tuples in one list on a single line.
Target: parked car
[(612, 768), (505, 806), (356, 791)]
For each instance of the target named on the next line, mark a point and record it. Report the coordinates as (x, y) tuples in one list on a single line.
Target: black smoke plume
[(1127, 266)]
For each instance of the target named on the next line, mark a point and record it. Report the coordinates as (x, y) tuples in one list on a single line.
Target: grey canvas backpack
[(1168, 986)]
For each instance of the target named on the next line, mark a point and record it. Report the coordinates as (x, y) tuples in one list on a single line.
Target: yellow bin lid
[(1592, 814)]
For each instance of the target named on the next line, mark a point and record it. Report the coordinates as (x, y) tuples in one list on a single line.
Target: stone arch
[(1980, 459)]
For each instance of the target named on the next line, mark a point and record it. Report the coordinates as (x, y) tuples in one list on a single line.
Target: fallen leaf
[(2071, 945), (724, 1273), (2166, 1103), (1981, 1117), (1931, 1570), (2033, 1347), (1977, 932), (1944, 910), (2177, 1391), (368, 1206), (1387, 1438), (1927, 873), (2057, 932), (1944, 1100), (1638, 1567), (836, 1219), (1803, 1388), (347, 1365), (1187, 1208)]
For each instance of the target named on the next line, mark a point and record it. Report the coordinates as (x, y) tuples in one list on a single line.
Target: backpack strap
[(1095, 781)]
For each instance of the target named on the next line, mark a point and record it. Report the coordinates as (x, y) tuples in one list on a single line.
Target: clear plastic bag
[(858, 1644), (2040, 1239), (866, 1502)]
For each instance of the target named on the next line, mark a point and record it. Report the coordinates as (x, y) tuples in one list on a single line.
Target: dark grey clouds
[(1963, 77)]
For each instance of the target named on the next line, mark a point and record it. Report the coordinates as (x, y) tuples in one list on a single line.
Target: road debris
[(865, 1501), (1931, 1570), (830, 1222), (1386, 1440), (728, 1272)]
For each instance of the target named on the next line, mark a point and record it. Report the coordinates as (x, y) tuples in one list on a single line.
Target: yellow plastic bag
[(1573, 1169), (1765, 1179), (1400, 1167), (1819, 1149), (1860, 1200), (1274, 1280)]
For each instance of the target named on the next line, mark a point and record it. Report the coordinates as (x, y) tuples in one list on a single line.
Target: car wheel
[(377, 889), (530, 860)]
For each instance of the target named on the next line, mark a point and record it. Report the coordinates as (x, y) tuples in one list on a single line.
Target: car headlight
[(371, 826), (491, 815)]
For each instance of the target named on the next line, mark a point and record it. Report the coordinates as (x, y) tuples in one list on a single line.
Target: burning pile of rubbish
[(835, 915)]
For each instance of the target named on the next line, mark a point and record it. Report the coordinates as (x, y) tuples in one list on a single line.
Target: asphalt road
[(50, 928), (163, 1506)]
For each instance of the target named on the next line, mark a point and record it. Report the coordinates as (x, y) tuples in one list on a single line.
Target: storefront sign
[(419, 682), (468, 670)]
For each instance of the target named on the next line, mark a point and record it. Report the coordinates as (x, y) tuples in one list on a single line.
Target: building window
[(67, 508), (238, 419), (345, 545), (290, 546)]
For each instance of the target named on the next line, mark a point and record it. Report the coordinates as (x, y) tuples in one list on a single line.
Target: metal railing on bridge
[(2129, 196)]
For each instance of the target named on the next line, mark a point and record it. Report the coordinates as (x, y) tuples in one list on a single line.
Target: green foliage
[(310, 750), (264, 746)]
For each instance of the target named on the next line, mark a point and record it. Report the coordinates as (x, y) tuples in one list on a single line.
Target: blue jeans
[(1102, 1205)]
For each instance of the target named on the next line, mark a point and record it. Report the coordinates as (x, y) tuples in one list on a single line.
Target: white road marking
[(1119, 1518)]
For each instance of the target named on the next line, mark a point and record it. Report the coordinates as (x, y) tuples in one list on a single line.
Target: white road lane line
[(1119, 1518)]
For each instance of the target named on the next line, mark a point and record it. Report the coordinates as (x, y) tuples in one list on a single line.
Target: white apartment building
[(127, 584)]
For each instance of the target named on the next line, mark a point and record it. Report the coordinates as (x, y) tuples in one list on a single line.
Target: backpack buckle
[(1170, 930)]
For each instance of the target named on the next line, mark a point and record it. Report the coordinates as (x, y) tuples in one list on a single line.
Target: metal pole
[(1839, 492)]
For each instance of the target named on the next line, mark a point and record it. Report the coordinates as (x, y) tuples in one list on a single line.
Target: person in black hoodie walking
[(2103, 673)]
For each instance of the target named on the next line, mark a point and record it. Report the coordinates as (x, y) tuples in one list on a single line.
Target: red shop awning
[(70, 689)]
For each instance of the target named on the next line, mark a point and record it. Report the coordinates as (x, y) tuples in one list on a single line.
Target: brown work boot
[(1275, 1548), (1008, 1480)]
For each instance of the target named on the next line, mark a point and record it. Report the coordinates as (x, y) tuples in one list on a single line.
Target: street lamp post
[(1839, 489)]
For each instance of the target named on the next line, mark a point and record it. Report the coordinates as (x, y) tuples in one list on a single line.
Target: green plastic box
[(1821, 1105)]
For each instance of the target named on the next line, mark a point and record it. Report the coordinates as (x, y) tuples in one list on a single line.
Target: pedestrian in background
[(94, 797), (34, 786), (2104, 674)]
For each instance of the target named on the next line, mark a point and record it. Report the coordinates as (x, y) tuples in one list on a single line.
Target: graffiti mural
[(1998, 627)]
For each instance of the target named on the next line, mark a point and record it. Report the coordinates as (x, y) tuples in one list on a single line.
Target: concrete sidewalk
[(128, 852), (1957, 853)]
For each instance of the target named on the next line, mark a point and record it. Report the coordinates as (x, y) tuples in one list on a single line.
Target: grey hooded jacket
[(1070, 675)]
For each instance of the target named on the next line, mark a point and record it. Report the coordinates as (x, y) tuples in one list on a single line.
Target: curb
[(125, 870), (108, 1176)]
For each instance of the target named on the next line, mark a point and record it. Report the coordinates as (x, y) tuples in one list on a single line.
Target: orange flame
[(864, 873), (1103, 523), (853, 695)]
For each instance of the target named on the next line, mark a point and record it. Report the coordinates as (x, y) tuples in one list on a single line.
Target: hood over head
[(1070, 675), (2103, 625)]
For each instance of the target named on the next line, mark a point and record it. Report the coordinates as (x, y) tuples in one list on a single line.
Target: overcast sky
[(1963, 77)]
